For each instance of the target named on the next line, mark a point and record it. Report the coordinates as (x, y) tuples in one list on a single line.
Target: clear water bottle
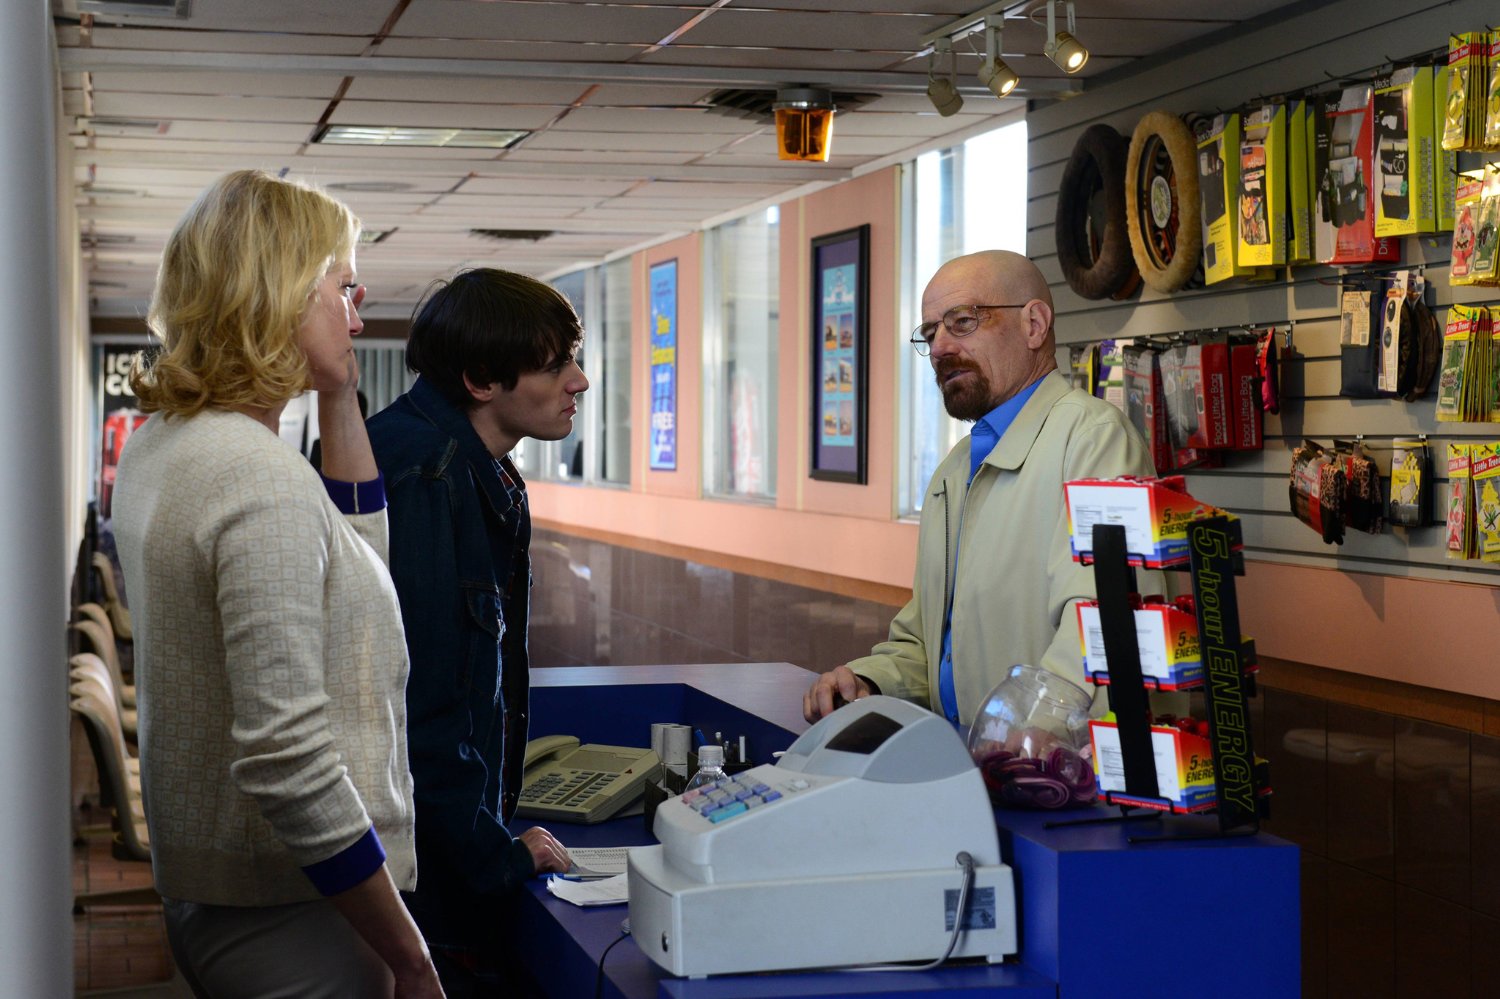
[(710, 767)]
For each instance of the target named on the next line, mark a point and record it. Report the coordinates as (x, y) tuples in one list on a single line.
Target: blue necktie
[(982, 440)]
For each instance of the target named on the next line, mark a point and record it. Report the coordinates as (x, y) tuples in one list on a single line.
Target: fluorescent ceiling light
[(392, 135)]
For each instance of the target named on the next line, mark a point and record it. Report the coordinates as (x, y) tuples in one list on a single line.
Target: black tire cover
[(1162, 207), (1097, 166)]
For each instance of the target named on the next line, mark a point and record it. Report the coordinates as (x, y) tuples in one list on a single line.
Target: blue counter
[(1099, 916)]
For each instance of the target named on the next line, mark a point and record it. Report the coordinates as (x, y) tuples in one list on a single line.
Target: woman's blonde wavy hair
[(237, 274)]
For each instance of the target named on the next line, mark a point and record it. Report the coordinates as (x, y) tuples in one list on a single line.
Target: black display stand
[(1213, 564)]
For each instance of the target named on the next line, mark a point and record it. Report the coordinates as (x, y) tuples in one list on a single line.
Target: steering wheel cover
[(1162, 206), (1096, 165)]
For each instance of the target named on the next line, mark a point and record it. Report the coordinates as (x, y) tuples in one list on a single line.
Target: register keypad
[(729, 797)]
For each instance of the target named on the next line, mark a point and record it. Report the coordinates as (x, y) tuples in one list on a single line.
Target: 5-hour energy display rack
[(1213, 561)]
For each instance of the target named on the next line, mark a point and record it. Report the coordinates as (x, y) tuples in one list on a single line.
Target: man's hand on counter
[(549, 856), (833, 690)]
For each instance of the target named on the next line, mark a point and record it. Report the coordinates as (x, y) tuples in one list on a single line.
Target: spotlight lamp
[(1062, 48), (943, 93), (995, 74)]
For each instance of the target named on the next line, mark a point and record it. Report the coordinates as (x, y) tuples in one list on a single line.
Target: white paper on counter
[(610, 891)]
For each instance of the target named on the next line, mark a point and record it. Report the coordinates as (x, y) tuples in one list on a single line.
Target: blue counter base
[(1099, 916)]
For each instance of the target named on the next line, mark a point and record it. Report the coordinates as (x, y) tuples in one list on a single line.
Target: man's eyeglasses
[(959, 321)]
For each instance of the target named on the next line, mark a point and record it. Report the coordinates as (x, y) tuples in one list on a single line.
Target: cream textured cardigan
[(270, 664)]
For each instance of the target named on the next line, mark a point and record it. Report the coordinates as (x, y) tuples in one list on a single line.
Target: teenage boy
[(495, 353)]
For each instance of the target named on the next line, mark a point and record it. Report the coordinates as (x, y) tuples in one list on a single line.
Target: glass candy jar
[(1031, 741)]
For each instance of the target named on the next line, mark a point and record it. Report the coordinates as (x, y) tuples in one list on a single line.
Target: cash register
[(872, 840)]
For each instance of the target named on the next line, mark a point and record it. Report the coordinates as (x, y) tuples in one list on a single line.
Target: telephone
[(567, 782)]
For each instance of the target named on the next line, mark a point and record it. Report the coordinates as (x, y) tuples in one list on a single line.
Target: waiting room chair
[(119, 614), (101, 644), (94, 612), (88, 669)]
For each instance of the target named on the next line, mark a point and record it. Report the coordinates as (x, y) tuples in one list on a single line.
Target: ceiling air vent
[(94, 240), (133, 126), (755, 105), (513, 235), (180, 9), (369, 236)]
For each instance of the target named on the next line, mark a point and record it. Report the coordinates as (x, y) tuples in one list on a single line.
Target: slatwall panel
[(1268, 56)]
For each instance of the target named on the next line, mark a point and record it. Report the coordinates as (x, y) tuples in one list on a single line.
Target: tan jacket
[(1016, 584)]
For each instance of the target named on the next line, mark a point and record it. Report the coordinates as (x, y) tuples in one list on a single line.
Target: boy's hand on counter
[(547, 854), (833, 690)]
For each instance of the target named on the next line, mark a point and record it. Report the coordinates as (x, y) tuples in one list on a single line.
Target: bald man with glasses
[(995, 583)]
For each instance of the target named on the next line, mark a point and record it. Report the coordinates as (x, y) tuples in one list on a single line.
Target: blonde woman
[(270, 660)]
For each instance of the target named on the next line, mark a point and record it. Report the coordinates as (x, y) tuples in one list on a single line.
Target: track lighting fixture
[(1062, 48), (943, 93), (995, 74)]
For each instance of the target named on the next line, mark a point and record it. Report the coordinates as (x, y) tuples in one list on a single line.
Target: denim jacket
[(459, 561)]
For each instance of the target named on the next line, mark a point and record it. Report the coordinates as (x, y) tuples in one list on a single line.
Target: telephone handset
[(567, 782), (547, 747)]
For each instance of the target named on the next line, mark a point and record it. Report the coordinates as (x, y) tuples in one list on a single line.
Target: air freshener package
[(1218, 182), (1263, 188), (1484, 264), (1411, 483), (1451, 369), (1492, 99), (1407, 199), (1492, 383), (1299, 249), (1467, 198), (1484, 471), (1345, 226), (1463, 113), (1445, 161), (1460, 518)]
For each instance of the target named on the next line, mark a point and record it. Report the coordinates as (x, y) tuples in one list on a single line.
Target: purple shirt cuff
[(357, 497), (349, 867)]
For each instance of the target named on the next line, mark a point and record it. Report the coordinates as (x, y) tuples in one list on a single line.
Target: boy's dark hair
[(492, 325)]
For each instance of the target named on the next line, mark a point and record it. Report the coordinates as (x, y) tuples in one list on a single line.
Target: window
[(598, 448), (740, 325), (954, 201)]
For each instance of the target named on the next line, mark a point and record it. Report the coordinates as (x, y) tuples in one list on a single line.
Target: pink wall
[(873, 198), (846, 530), (1419, 631)]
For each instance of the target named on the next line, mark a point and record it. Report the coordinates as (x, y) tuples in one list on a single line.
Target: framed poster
[(663, 281), (840, 354)]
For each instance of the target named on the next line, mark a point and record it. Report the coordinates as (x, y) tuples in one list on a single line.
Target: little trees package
[(1345, 228)]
